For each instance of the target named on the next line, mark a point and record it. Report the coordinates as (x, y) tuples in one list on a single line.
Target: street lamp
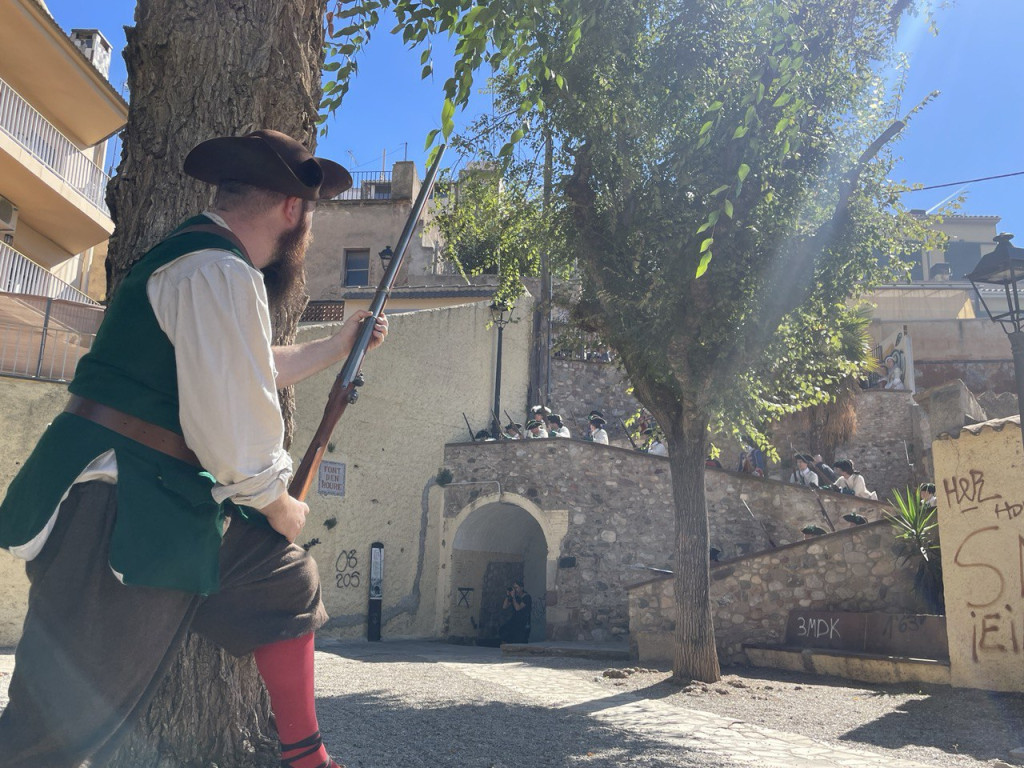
[(1004, 267), (500, 316), (385, 256)]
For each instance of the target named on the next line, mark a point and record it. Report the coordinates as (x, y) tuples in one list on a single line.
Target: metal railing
[(52, 148), (368, 185), (19, 274), (43, 338)]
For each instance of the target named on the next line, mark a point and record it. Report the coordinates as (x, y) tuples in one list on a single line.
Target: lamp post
[(500, 316), (1004, 267)]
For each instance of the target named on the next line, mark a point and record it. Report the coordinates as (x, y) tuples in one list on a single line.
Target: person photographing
[(517, 628)]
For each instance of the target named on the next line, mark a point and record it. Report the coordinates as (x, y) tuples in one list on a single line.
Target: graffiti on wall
[(988, 555), (346, 574)]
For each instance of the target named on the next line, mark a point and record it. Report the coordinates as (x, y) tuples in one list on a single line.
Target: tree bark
[(695, 654), (199, 69)]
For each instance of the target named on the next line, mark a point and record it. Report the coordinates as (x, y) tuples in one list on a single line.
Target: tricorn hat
[(269, 160), (598, 422)]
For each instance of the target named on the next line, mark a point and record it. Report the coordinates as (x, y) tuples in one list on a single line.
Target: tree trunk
[(199, 69), (695, 654)]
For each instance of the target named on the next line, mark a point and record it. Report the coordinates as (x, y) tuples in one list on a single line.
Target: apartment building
[(57, 111)]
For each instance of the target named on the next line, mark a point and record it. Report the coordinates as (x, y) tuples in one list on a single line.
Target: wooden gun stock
[(343, 391)]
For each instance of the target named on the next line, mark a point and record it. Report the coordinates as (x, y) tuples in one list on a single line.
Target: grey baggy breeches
[(94, 651)]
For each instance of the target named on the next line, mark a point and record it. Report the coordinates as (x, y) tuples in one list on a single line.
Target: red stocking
[(287, 671)]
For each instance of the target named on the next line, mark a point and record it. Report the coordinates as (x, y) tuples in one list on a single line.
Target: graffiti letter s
[(996, 571)]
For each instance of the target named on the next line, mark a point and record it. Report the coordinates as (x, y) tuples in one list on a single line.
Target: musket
[(824, 513), (501, 431), (766, 534), (628, 436), (471, 435), (343, 391), (575, 423)]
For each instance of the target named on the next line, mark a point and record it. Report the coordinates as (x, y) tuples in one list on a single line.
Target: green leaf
[(706, 244), (727, 207), (447, 113), (720, 190), (743, 171), (703, 266), (740, 132)]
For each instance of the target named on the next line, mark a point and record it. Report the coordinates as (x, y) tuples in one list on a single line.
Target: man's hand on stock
[(286, 515)]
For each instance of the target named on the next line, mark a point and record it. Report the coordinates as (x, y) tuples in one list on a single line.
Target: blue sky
[(968, 132)]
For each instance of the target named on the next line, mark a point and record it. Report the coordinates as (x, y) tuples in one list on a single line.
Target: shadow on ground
[(982, 724), (377, 730)]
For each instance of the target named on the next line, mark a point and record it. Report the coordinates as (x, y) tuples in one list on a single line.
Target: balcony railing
[(368, 185), (19, 274), (52, 148)]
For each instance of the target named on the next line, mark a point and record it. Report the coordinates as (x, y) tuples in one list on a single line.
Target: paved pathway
[(675, 727)]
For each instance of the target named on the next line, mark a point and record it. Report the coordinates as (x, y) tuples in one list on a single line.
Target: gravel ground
[(412, 705), (458, 721), (399, 710), (932, 724)]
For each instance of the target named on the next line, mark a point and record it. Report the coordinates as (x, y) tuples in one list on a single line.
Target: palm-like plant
[(916, 529)]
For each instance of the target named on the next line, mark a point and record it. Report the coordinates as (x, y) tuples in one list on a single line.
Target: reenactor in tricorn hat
[(555, 426), (535, 430), (172, 432), (597, 431)]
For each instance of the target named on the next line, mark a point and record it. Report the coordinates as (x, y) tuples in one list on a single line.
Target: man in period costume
[(555, 426), (157, 502), (597, 430)]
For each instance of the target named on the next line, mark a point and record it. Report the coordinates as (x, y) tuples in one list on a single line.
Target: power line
[(968, 181)]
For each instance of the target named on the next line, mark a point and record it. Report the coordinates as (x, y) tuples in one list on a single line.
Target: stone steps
[(851, 665)]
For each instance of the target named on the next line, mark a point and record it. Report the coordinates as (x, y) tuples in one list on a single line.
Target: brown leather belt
[(150, 435)]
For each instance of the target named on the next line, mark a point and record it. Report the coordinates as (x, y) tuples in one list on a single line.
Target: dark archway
[(494, 545)]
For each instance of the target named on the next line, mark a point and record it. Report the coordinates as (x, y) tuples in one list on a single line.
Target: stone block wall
[(621, 518), (887, 423), (852, 570), (579, 387)]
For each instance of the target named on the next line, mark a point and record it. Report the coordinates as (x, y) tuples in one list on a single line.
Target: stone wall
[(851, 570), (980, 489), (579, 387), (621, 518), (994, 376), (885, 419), (887, 423)]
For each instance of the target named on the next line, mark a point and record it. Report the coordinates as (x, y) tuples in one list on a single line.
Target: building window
[(357, 267)]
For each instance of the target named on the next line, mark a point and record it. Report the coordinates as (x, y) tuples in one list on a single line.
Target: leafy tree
[(725, 194)]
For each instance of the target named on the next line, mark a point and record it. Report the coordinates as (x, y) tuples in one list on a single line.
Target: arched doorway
[(493, 545)]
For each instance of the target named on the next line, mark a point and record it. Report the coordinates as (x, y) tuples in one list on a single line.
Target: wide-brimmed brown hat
[(269, 160)]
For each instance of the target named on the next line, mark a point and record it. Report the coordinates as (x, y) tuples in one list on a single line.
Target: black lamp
[(385, 256), (1004, 267), (501, 315)]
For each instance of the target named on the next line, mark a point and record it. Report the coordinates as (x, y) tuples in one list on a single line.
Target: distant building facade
[(57, 110)]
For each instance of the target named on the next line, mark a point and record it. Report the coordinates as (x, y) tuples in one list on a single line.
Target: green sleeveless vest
[(169, 528)]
